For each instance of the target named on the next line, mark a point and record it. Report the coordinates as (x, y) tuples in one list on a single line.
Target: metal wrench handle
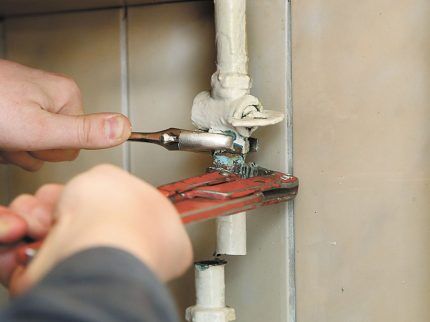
[(177, 139)]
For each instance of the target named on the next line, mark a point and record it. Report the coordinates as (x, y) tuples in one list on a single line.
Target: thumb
[(93, 131)]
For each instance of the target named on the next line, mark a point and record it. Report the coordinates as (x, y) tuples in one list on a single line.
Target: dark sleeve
[(97, 285)]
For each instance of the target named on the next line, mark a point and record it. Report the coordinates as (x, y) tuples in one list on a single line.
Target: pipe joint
[(196, 314), (230, 85), (210, 293)]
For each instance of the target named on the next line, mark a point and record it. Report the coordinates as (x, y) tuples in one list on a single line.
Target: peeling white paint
[(229, 105)]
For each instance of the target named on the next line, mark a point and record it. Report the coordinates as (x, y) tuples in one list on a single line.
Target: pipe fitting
[(229, 86), (209, 113), (210, 293)]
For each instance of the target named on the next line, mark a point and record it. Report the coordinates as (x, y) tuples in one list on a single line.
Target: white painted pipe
[(210, 285), (230, 82), (231, 235), (210, 293), (229, 105), (230, 23)]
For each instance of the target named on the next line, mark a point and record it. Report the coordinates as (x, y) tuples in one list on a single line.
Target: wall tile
[(361, 109), (3, 185), (21, 7), (17, 7), (172, 57), (257, 284), (86, 47), (3, 169)]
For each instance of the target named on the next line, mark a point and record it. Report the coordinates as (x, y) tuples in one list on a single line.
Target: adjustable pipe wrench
[(216, 193)]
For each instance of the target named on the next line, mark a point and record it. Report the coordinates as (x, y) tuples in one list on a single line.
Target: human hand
[(28, 217), (107, 206), (41, 119)]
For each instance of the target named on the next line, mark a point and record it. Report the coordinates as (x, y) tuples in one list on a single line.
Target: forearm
[(100, 284)]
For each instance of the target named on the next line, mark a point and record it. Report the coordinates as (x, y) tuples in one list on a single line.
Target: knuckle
[(47, 188), (20, 200), (69, 85), (188, 255), (105, 168), (184, 261), (69, 89)]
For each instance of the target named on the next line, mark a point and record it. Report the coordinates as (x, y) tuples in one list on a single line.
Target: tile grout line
[(125, 103), (290, 227), (113, 7), (5, 182)]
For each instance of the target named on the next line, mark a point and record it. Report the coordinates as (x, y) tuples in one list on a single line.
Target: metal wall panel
[(361, 82)]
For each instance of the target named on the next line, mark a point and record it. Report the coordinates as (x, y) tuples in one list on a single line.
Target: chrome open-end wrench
[(174, 139)]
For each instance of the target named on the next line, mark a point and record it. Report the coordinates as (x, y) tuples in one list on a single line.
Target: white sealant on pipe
[(229, 105), (231, 235), (210, 292)]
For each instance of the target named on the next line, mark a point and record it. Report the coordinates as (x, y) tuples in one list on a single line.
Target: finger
[(55, 155), (37, 215), (23, 160), (49, 195), (8, 264), (18, 281), (12, 226), (93, 131)]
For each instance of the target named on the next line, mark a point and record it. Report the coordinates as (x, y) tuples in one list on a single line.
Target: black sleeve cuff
[(100, 284)]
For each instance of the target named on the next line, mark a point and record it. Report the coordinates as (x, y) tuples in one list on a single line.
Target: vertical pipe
[(231, 235), (231, 81), (210, 292), (125, 105), (290, 228), (230, 23), (210, 284)]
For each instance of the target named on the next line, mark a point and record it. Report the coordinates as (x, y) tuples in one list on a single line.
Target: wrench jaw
[(229, 193)]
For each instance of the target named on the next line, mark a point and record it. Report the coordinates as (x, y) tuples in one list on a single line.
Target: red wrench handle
[(212, 195)]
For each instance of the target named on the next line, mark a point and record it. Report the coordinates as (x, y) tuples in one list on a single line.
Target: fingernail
[(115, 128)]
